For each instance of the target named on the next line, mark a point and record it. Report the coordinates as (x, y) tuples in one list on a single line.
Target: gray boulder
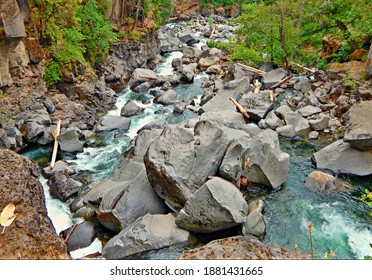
[(58, 166), (186, 73), (272, 121), (109, 123), (149, 232), (208, 58), (82, 236), (299, 123), (123, 203), (217, 205), (309, 110), (144, 75), (167, 98), (340, 157), (273, 77), (257, 105), (31, 131), (181, 159), (69, 140), (286, 131), (221, 100), (188, 39), (255, 224), (235, 72), (231, 166), (131, 109), (320, 123), (359, 131), (62, 186), (268, 165)]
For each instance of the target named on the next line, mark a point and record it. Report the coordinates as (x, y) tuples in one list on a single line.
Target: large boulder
[(217, 205), (300, 124), (340, 157), (221, 101), (69, 140), (167, 98), (186, 73), (273, 77), (240, 248), (31, 235), (181, 159), (257, 105), (208, 58), (188, 39), (149, 232), (268, 165), (359, 130), (131, 109), (126, 201), (62, 186), (109, 123)]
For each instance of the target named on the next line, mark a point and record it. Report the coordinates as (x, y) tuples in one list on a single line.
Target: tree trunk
[(122, 10), (137, 14), (282, 35)]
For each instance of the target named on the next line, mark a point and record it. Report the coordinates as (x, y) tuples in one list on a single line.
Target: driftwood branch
[(70, 232), (246, 116), (278, 84), (55, 149), (252, 70), (302, 67), (213, 30)]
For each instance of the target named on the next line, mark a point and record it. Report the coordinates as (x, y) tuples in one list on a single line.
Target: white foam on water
[(94, 247), (166, 68), (340, 232), (58, 211)]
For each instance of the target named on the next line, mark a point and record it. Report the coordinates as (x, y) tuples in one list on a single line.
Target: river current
[(341, 223)]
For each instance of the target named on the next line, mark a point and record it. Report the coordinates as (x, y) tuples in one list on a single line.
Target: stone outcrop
[(31, 235), (240, 248), (321, 182), (12, 31)]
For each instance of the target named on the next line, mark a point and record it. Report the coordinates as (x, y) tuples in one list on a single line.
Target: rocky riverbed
[(194, 166)]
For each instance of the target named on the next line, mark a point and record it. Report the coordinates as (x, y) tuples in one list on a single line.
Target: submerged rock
[(149, 232), (319, 181), (217, 205)]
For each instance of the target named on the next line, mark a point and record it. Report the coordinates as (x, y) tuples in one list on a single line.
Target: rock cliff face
[(31, 235), (12, 31)]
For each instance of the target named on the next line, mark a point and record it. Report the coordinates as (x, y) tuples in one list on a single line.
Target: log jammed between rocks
[(246, 116), (55, 149), (253, 70)]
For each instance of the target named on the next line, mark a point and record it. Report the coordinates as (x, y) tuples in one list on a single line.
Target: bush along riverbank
[(200, 147)]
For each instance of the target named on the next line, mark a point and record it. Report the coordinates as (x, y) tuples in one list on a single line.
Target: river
[(341, 223)]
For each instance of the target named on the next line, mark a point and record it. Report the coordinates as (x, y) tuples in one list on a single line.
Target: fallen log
[(246, 116), (302, 67), (55, 149), (278, 84), (253, 70)]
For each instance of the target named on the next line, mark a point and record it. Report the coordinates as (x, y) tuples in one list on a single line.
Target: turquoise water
[(340, 221)]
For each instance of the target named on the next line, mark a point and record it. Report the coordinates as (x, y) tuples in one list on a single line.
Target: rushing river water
[(340, 221)]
